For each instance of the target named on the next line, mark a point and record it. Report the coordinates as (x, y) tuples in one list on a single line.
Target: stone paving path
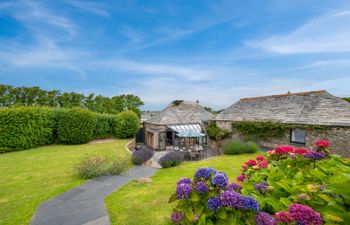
[(84, 205)]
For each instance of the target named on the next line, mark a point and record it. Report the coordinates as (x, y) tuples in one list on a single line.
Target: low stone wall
[(339, 137)]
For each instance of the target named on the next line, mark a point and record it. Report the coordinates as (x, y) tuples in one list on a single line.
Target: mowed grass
[(136, 204), (27, 178)]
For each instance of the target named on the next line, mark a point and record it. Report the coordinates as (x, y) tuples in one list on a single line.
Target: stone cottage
[(160, 130), (302, 111)]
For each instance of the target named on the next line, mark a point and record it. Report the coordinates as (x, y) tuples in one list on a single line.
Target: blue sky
[(214, 51)]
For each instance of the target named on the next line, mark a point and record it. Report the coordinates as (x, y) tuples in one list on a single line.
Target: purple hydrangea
[(220, 180), (261, 187), (305, 215), (202, 187), (231, 199), (184, 181), (183, 191), (214, 203), (251, 203), (202, 173), (177, 217), (264, 218), (314, 155), (234, 187), (211, 170)]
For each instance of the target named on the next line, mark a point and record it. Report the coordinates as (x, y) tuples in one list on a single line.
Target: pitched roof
[(315, 107), (185, 112)]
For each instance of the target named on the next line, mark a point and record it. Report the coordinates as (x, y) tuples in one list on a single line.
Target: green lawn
[(29, 177), (136, 204)]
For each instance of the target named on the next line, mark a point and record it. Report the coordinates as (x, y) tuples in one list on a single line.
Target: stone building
[(160, 130), (307, 109)]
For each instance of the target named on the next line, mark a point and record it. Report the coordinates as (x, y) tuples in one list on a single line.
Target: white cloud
[(132, 34), (90, 7), (329, 33)]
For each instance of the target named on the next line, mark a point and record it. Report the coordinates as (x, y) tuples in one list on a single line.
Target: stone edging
[(126, 146)]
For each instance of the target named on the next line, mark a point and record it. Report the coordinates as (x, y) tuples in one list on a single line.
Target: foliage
[(171, 159), (252, 147), (25, 127), (268, 129), (234, 147), (96, 165), (127, 124), (347, 99), (141, 154), (34, 96), (43, 173), (76, 126), (216, 133), (177, 102), (105, 125), (213, 111), (316, 179)]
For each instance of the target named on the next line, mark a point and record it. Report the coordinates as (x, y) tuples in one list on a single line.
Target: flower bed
[(289, 186)]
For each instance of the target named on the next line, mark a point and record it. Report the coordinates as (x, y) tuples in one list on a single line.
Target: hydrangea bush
[(289, 186)]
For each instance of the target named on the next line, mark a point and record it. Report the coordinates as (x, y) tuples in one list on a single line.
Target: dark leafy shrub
[(234, 147), (25, 127), (127, 124), (92, 166), (105, 125), (141, 154), (251, 147), (75, 126), (171, 159)]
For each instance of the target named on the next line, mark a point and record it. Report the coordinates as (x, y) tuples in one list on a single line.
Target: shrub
[(171, 159), (75, 126), (92, 166), (141, 155), (127, 124), (234, 147), (25, 127), (252, 147), (105, 126)]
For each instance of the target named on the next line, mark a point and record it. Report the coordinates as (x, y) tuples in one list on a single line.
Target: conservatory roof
[(190, 133), (195, 127)]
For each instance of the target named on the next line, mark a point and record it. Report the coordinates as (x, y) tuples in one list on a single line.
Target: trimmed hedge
[(127, 124), (240, 147), (171, 159), (25, 127), (28, 127), (76, 126)]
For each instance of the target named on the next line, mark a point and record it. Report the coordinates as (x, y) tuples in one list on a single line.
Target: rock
[(144, 180)]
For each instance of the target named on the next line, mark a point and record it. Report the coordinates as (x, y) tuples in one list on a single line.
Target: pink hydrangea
[(241, 178), (260, 158), (283, 150), (305, 215), (301, 151), (283, 217), (322, 143), (263, 164), (251, 162)]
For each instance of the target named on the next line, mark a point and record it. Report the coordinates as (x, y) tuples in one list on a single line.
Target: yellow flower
[(312, 187), (255, 167)]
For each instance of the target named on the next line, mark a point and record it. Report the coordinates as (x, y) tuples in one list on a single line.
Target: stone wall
[(339, 137), (155, 129)]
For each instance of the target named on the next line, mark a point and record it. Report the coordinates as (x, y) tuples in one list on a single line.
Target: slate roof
[(184, 113), (311, 108)]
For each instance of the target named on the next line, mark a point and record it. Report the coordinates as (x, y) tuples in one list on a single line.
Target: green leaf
[(172, 198), (299, 177), (286, 202), (222, 214), (194, 196)]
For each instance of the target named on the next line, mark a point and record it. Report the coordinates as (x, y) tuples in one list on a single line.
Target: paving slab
[(84, 205)]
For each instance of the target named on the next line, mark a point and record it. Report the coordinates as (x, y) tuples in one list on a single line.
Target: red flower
[(301, 151), (322, 143), (263, 164), (260, 158), (282, 150), (284, 217), (251, 162), (241, 178)]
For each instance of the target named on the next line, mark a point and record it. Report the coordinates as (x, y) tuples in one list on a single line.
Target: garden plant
[(290, 186)]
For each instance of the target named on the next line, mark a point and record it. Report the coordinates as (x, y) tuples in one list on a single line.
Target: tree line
[(34, 96)]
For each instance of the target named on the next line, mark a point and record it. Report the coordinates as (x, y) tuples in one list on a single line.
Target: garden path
[(84, 205)]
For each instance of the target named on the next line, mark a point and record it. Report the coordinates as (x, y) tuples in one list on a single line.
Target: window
[(298, 136)]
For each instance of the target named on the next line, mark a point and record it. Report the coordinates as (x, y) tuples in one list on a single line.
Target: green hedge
[(239, 147), (24, 128), (28, 127)]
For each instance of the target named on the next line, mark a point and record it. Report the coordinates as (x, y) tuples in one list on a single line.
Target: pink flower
[(283, 217), (241, 178), (263, 164), (301, 151), (260, 158), (305, 215), (322, 143), (251, 162), (270, 152), (282, 150)]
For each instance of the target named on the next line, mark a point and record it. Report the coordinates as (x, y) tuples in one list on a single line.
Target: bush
[(252, 147), (92, 166), (105, 126), (127, 124), (25, 127), (234, 147), (75, 126), (141, 155), (171, 159)]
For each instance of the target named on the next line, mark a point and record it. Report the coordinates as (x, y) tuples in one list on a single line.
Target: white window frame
[(298, 141)]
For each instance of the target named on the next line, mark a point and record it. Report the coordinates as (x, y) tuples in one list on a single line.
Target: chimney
[(197, 101)]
